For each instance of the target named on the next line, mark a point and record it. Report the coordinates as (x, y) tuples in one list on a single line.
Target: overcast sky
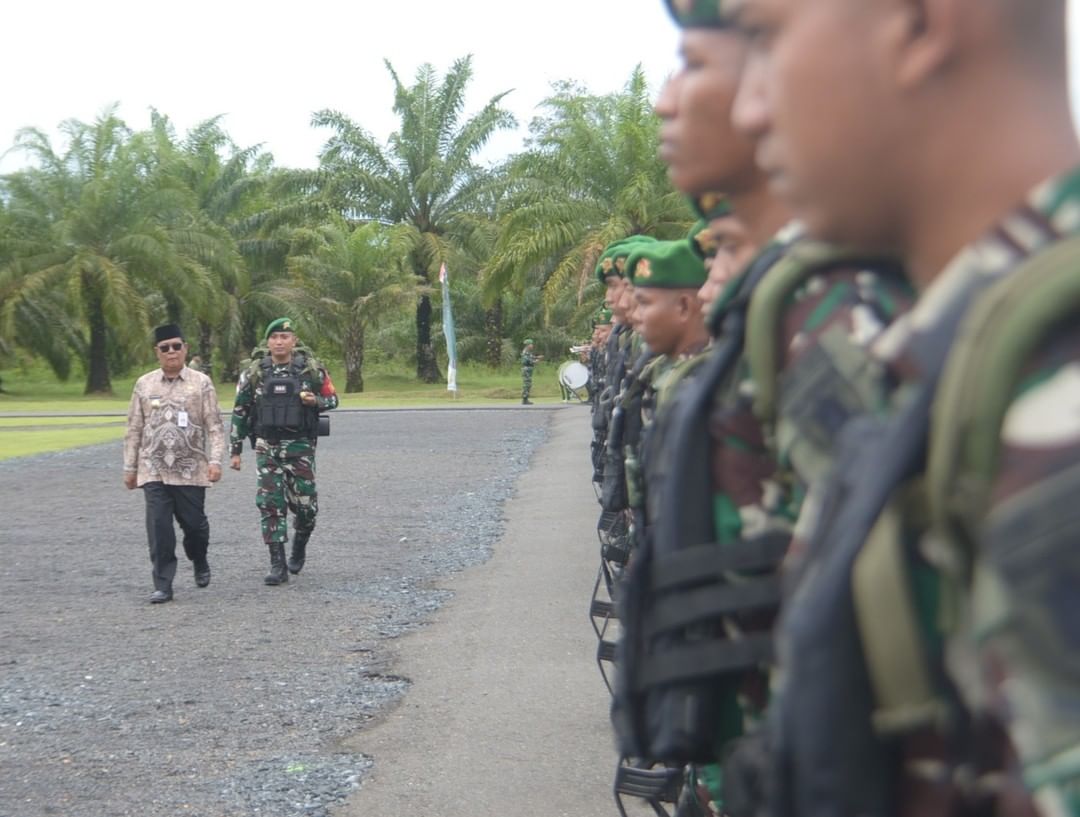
[(268, 65)]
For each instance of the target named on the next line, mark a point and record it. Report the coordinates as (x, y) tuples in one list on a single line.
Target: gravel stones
[(234, 699)]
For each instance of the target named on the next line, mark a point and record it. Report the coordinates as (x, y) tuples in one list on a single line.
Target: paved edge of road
[(507, 712)]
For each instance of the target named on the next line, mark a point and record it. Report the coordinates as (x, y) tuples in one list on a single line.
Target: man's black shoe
[(160, 596), (526, 402), (202, 573)]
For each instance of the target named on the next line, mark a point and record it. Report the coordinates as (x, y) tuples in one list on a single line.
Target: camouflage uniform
[(995, 618), (528, 361), (759, 470), (285, 467)]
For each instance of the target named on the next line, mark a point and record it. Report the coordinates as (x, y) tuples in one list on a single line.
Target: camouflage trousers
[(526, 381), (286, 482)]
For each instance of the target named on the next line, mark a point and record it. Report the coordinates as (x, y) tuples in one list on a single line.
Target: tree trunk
[(97, 375), (205, 347), (493, 332), (230, 370), (353, 355), (172, 309), (427, 368)]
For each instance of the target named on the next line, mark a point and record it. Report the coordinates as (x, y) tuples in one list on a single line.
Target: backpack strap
[(1003, 329), (771, 297), (996, 337)]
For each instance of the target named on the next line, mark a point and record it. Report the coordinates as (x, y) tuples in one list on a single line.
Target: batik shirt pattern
[(174, 429)]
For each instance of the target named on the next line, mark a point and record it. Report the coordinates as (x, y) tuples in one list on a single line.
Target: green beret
[(702, 242), (527, 342), (278, 325), (707, 206), (613, 258), (697, 13), (667, 265), (602, 317)]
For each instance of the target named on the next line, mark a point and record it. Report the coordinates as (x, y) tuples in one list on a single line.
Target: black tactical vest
[(281, 414)]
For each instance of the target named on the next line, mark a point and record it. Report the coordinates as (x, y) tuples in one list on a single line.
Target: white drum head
[(574, 375)]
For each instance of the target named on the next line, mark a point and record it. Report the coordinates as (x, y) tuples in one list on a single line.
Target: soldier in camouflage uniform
[(278, 400), (601, 332), (755, 486), (528, 362), (939, 586)]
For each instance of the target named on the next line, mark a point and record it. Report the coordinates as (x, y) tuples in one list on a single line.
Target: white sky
[(268, 65)]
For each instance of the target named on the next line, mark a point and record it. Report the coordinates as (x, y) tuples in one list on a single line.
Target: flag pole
[(448, 332)]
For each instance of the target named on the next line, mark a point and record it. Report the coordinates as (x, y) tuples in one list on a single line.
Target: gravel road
[(235, 699)]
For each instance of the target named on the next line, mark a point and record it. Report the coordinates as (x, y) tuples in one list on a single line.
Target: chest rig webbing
[(280, 412), (672, 654)]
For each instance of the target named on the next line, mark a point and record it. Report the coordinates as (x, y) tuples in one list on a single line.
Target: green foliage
[(112, 231), (343, 280), (590, 174), (425, 180)]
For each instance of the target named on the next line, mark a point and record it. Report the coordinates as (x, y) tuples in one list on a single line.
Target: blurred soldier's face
[(625, 305), (735, 249), (720, 272), (819, 95), (697, 141), (614, 285), (281, 345)]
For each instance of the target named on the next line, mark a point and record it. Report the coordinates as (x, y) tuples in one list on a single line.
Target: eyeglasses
[(170, 347)]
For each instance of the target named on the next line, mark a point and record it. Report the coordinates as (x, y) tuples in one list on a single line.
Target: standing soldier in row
[(929, 651), (278, 400), (742, 464)]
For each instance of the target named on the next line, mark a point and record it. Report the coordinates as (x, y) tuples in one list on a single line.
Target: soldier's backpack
[(855, 680)]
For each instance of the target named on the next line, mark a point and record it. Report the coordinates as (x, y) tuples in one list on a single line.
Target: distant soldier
[(278, 400), (528, 362), (172, 450)]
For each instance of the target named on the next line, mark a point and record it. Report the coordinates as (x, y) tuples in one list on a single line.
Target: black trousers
[(185, 503)]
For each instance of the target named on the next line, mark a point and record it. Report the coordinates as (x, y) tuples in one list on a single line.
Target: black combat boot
[(277, 574), (299, 550)]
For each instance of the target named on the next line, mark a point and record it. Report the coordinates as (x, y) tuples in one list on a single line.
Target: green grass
[(24, 443), (37, 392)]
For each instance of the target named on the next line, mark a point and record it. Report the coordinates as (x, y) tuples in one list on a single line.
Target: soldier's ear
[(920, 38)]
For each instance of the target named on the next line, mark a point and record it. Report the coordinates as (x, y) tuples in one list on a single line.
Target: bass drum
[(573, 375)]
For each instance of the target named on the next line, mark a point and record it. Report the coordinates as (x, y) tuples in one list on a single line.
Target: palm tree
[(590, 174), (106, 226), (343, 280), (424, 180), (225, 181)]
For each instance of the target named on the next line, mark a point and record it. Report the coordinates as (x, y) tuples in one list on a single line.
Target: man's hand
[(130, 478), (307, 398), (234, 462), (214, 473)]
